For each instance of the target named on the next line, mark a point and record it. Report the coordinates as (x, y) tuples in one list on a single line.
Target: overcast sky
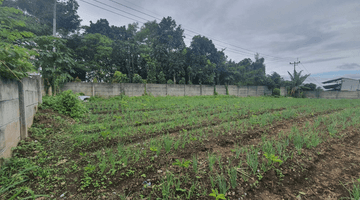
[(323, 34)]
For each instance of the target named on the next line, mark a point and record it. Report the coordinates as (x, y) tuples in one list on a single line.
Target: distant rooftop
[(338, 79)]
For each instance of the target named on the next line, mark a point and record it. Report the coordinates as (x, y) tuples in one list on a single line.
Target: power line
[(111, 11), (120, 10), (310, 73), (134, 9), (189, 30)]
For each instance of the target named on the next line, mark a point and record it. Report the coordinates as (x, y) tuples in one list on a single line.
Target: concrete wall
[(207, 90), (18, 105), (134, 89), (156, 89), (192, 90), (221, 89), (283, 91), (333, 94), (233, 90), (175, 90)]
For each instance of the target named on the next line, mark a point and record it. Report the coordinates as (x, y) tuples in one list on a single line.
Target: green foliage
[(137, 79), (227, 89), (55, 59), (215, 93), (182, 163), (272, 158), (95, 80), (41, 14), (216, 194), (276, 91), (14, 58), (161, 78), (296, 80), (170, 81), (120, 78), (66, 103), (77, 80), (93, 53)]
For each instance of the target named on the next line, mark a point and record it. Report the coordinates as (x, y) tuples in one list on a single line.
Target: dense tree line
[(153, 53)]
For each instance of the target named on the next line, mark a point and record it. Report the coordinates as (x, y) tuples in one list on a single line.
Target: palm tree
[(297, 80)]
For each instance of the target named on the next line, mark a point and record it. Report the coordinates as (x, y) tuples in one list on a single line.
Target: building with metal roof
[(342, 84)]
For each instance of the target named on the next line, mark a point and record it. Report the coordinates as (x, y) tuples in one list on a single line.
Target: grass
[(184, 146)]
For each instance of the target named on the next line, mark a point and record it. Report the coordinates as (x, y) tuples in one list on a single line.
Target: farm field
[(205, 147)]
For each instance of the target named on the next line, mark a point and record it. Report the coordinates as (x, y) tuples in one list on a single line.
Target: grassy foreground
[(206, 147)]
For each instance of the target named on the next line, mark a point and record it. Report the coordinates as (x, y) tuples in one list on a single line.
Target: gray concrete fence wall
[(134, 89), (333, 94), (18, 104)]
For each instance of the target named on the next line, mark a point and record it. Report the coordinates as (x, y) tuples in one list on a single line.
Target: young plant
[(222, 184), (252, 159), (182, 163), (272, 159), (212, 160), (195, 164), (176, 144), (168, 143), (216, 194), (233, 176)]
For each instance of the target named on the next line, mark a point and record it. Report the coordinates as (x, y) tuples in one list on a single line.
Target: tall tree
[(67, 19), (14, 58), (95, 55), (57, 65)]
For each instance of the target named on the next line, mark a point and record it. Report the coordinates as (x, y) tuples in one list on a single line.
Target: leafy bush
[(170, 81), (276, 91), (66, 103), (138, 79), (120, 78)]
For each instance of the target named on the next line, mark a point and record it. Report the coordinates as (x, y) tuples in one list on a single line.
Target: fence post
[(22, 111), (201, 90), (184, 90)]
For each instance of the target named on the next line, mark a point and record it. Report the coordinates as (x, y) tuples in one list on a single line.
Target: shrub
[(170, 81), (77, 80), (120, 78), (66, 103), (276, 91)]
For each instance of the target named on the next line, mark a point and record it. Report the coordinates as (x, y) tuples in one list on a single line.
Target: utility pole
[(54, 34), (54, 20), (295, 63)]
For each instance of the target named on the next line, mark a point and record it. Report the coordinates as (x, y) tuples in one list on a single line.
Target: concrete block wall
[(207, 90), (86, 88), (9, 116), (31, 98), (175, 90), (333, 94), (133, 89), (18, 104), (192, 90), (283, 91), (137, 89), (106, 89), (156, 89), (233, 90), (243, 91), (252, 91), (221, 89)]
